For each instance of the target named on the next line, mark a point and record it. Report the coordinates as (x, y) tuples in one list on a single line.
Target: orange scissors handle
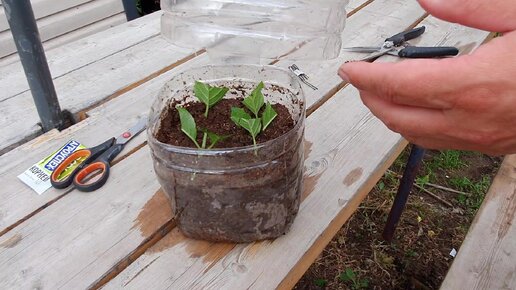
[(84, 156), (95, 175)]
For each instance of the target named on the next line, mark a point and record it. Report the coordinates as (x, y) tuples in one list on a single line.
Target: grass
[(419, 257)]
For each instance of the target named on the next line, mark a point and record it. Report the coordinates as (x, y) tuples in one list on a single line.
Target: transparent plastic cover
[(255, 30)]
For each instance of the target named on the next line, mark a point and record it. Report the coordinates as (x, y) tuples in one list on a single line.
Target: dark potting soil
[(219, 122)]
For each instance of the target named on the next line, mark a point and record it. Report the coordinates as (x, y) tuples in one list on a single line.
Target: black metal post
[(26, 36), (406, 184), (131, 12)]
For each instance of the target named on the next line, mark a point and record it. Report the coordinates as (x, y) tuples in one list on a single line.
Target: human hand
[(466, 103)]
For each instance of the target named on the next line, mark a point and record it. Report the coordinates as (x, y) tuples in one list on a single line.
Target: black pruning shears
[(94, 163), (397, 45)]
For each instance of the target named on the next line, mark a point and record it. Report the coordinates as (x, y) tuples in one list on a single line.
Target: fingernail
[(343, 75)]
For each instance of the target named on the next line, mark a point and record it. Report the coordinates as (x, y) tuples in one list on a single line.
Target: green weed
[(350, 277), (448, 159)]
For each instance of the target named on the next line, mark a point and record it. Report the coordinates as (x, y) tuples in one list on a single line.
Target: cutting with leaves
[(254, 103), (209, 95), (189, 127)]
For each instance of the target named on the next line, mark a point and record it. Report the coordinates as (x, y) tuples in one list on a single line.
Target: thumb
[(493, 15)]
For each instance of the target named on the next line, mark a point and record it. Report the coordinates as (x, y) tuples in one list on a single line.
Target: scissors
[(93, 169), (397, 45)]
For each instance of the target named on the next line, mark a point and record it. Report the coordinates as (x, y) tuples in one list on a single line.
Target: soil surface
[(220, 123), (429, 230)]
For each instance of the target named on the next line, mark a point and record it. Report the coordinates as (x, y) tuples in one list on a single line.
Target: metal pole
[(26, 36), (406, 184), (131, 12)]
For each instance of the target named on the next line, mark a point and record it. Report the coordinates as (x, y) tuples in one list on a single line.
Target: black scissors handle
[(98, 169), (400, 38), (86, 155), (427, 52)]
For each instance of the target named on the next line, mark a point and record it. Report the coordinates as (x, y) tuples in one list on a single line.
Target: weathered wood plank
[(78, 54), (90, 85), (71, 36), (486, 257), (42, 8), (65, 21), (74, 238), (344, 163)]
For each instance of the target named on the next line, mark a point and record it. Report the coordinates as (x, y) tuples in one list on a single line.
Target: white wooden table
[(123, 235)]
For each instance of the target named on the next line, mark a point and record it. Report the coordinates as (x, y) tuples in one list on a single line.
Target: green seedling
[(320, 282), (209, 95), (238, 114), (189, 127), (349, 276), (253, 126), (214, 138), (268, 116), (254, 103)]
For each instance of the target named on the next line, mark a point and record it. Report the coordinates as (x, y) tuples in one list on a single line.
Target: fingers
[(427, 83), (406, 120), (494, 15)]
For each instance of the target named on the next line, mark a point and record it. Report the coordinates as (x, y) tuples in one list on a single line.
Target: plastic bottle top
[(254, 30)]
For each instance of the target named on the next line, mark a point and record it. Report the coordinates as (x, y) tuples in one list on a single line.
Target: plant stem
[(206, 112), (204, 138), (197, 144), (255, 149)]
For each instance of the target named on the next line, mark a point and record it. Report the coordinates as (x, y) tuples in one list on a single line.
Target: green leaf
[(214, 139), (202, 92), (256, 100), (350, 273), (188, 125), (364, 283), (347, 275), (237, 114), (209, 95), (381, 185), (320, 282), (423, 180), (216, 94), (268, 116), (253, 126)]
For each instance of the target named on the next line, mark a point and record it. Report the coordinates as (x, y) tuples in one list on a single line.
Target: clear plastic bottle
[(251, 30)]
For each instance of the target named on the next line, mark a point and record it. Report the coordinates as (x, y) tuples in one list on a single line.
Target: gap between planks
[(311, 255)]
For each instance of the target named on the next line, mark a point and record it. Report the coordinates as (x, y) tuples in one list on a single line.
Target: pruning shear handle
[(427, 52), (402, 37)]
